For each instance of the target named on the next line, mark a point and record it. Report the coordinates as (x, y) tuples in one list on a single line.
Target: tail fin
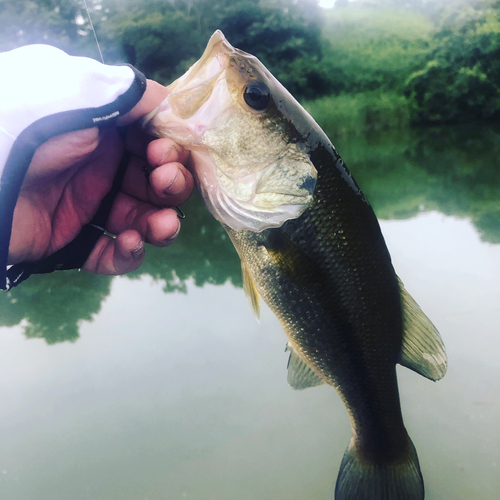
[(360, 479)]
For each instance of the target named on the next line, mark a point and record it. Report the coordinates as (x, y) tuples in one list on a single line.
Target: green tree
[(374, 46), (286, 37), (163, 38), (158, 42), (461, 77)]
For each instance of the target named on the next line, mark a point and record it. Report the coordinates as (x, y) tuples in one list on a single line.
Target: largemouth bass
[(311, 247)]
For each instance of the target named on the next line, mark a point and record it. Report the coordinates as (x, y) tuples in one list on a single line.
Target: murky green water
[(161, 385)]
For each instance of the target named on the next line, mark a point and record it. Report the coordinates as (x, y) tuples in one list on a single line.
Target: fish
[(311, 247)]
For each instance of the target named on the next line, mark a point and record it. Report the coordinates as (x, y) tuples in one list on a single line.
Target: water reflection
[(53, 305), (185, 396), (449, 169)]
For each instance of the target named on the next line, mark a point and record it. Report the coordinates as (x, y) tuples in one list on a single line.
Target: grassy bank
[(361, 113)]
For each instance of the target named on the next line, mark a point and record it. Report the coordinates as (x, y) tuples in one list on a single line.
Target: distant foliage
[(287, 40), (360, 113), (461, 77), (374, 46), (157, 37), (164, 38), (442, 55)]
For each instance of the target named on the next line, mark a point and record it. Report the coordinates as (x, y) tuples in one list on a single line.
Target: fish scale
[(344, 335)]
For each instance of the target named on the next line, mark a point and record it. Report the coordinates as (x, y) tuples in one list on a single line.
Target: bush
[(461, 78), (357, 114)]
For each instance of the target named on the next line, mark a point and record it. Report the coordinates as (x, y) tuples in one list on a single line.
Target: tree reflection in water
[(453, 170), (449, 169), (52, 305)]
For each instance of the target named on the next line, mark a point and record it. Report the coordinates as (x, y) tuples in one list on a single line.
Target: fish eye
[(257, 95)]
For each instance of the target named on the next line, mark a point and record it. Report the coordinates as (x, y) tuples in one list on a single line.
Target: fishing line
[(180, 213), (93, 30)]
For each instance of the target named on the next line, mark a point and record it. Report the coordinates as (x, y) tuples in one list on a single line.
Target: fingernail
[(137, 252), (173, 189), (172, 238), (167, 154)]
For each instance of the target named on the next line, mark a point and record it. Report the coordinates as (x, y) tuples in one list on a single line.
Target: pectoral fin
[(251, 290), (300, 375), (423, 350)]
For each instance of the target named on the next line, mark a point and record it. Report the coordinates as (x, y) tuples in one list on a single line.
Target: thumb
[(153, 96), (119, 255)]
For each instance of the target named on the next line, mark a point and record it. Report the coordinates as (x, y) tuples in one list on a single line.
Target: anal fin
[(423, 350), (300, 375)]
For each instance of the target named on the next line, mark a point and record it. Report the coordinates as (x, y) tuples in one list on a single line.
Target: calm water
[(161, 385)]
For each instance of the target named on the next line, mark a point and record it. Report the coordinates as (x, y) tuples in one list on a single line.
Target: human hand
[(70, 175)]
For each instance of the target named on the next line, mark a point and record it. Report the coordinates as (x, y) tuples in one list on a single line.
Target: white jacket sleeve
[(44, 93)]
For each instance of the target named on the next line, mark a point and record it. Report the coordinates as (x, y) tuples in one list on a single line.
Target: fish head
[(249, 138)]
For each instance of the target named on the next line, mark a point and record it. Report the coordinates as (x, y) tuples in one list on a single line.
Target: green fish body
[(328, 278), (311, 247)]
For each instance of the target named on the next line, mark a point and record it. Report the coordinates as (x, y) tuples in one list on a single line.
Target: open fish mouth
[(252, 167), (192, 90)]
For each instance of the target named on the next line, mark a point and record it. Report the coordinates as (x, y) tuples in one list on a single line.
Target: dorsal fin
[(423, 350), (250, 290), (300, 375)]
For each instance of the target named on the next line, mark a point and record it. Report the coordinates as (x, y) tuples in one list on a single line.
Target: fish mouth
[(192, 90), (206, 67), (182, 116)]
